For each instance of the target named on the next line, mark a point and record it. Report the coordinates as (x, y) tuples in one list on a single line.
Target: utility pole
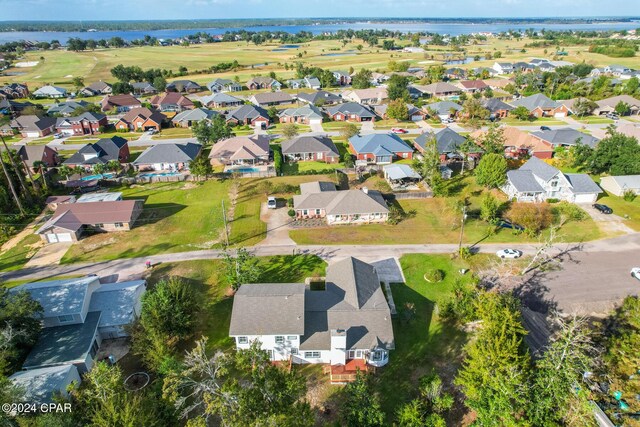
[(464, 216), (226, 230)]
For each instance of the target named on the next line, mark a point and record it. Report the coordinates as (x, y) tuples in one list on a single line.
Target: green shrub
[(629, 196), (434, 276), (553, 200), (292, 213), (569, 211), (465, 252)]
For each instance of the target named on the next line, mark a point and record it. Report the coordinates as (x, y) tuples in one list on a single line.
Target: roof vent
[(365, 190)]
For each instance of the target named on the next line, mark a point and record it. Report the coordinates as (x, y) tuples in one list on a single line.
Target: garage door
[(52, 238), (315, 121), (32, 134), (416, 118), (585, 198), (59, 237), (560, 115)]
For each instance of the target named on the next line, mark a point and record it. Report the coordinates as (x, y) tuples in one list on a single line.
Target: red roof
[(473, 84), (172, 98)]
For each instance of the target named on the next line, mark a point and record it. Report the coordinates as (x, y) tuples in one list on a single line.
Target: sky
[(221, 9)]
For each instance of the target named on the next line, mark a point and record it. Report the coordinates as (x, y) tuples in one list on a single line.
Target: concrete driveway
[(367, 127), (316, 127), (49, 254), (278, 225)]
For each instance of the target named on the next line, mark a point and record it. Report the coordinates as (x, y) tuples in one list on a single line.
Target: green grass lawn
[(131, 136), (630, 211), (207, 275), (296, 167), (38, 141), (388, 124), (16, 257), (543, 121), (337, 126), (177, 217), (277, 128), (171, 133), (590, 120)]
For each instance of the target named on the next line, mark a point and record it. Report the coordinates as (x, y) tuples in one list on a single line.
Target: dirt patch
[(99, 243)]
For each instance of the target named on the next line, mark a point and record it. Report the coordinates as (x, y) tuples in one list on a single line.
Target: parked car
[(545, 128), (603, 208), (152, 131), (509, 253), (449, 120), (58, 135), (613, 116), (399, 130), (503, 223), (635, 272), (272, 203)]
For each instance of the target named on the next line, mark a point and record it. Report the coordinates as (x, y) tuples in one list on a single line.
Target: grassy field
[(293, 168), (436, 220), (127, 135), (542, 121), (592, 120), (177, 217), (171, 133), (630, 211), (16, 257), (388, 124)]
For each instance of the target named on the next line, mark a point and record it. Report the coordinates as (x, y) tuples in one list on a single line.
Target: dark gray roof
[(534, 101), (310, 144), (443, 107), (447, 140), (107, 149), (32, 153), (494, 104), (67, 107), (186, 85), (524, 181), (315, 97), (350, 108), (268, 309), (247, 112), (566, 136), (63, 344), (540, 168), (169, 153), (582, 183), (373, 143)]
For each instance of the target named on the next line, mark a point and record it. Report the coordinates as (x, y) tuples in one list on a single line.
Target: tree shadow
[(287, 268), (154, 212)]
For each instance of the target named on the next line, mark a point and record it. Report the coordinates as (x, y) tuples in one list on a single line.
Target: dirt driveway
[(278, 225), (610, 223)]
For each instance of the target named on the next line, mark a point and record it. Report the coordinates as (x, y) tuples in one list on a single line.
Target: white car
[(272, 203), (635, 272), (509, 253)]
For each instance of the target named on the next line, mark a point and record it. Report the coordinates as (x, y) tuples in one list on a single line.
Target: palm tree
[(99, 168), (41, 167), (65, 171), (113, 165), (79, 170)]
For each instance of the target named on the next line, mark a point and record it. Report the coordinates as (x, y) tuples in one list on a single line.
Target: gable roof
[(67, 107), (344, 202), (309, 111), (443, 107), (390, 142), (106, 149), (473, 84), (123, 100), (40, 385), (268, 309), (117, 302), (250, 147), (614, 100), (514, 137), (495, 104), (316, 187), (315, 97), (626, 181), (540, 168), (72, 216), (270, 97), (350, 108), (32, 153), (438, 87), (33, 123), (169, 153), (582, 183), (50, 90), (194, 115), (524, 181), (145, 113), (400, 171), (310, 144), (59, 297), (172, 98), (249, 112), (566, 136), (186, 85), (219, 98), (447, 140), (534, 101)]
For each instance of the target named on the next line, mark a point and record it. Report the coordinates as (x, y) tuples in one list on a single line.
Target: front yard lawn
[(543, 121), (16, 257), (388, 124), (630, 211), (337, 126), (177, 217), (170, 133), (593, 120)]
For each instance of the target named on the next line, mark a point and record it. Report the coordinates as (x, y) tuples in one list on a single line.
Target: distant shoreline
[(187, 24)]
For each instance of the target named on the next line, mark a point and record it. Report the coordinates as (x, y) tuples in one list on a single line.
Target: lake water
[(452, 29)]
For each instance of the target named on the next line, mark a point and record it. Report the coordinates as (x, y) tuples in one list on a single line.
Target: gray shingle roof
[(566, 136), (540, 168), (390, 142), (316, 187), (271, 97), (447, 140), (315, 97), (248, 112), (41, 384), (169, 153), (59, 297), (308, 111), (582, 183), (524, 181), (443, 107), (196, 115), (268, 309), (342, 202), (219, 98), (310, 144), (107, 149), (534, 101), (350, 108), (494, 104), (117, 302)]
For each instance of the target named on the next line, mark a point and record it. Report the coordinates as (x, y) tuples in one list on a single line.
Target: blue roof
[(374, 142)]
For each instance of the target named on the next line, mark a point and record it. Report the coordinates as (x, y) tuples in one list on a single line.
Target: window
[(94, 349), (305, 212), (292, 337), (65, 318), (243, 340), (377, 356), (99, 225), (404, 155), (119, 224), (312, 355), (294, 350), (317, 211), (279, 340)]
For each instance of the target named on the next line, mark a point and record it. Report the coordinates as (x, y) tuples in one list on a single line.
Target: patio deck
[(340, 374)]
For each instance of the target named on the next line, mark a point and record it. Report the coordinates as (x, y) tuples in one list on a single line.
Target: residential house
[(499, 83), (619, 185), (379, 148), (252, 149), (444, 109), (525, 67), (249, 115), (42, 385), (97, 88), (498, 109), (539, 105), (455, 73), (71, 220), (415, 113), (439, 90), (350, 111), (261, 82), (78, 314), (308, 82), (537, 181), (371, 96), (520, 144), (565, 137), (100, 152), (448, 143), (347, 325), (224, 85), (307, 114), (266, 99), (629, 129), (313, 148), (484, 72), (221, 100), (29, 154), (168, 157), (143, 88), (342, 78), (503, 67), (472, 86), (138, 119), (14, 91), (49, 91), (121, 103), (187, 118), (378, 78), (87, 123), (321, 200), (171, 102), (616, 70), (33, 126), (319, 98), (9, 107), (67, 108), (187, 86), (608, 105)]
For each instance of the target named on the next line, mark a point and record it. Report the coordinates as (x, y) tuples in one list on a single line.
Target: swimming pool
[(243, 170), (157, 174), (98, 176)]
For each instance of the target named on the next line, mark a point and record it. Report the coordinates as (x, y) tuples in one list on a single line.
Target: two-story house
[(537, 181)]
